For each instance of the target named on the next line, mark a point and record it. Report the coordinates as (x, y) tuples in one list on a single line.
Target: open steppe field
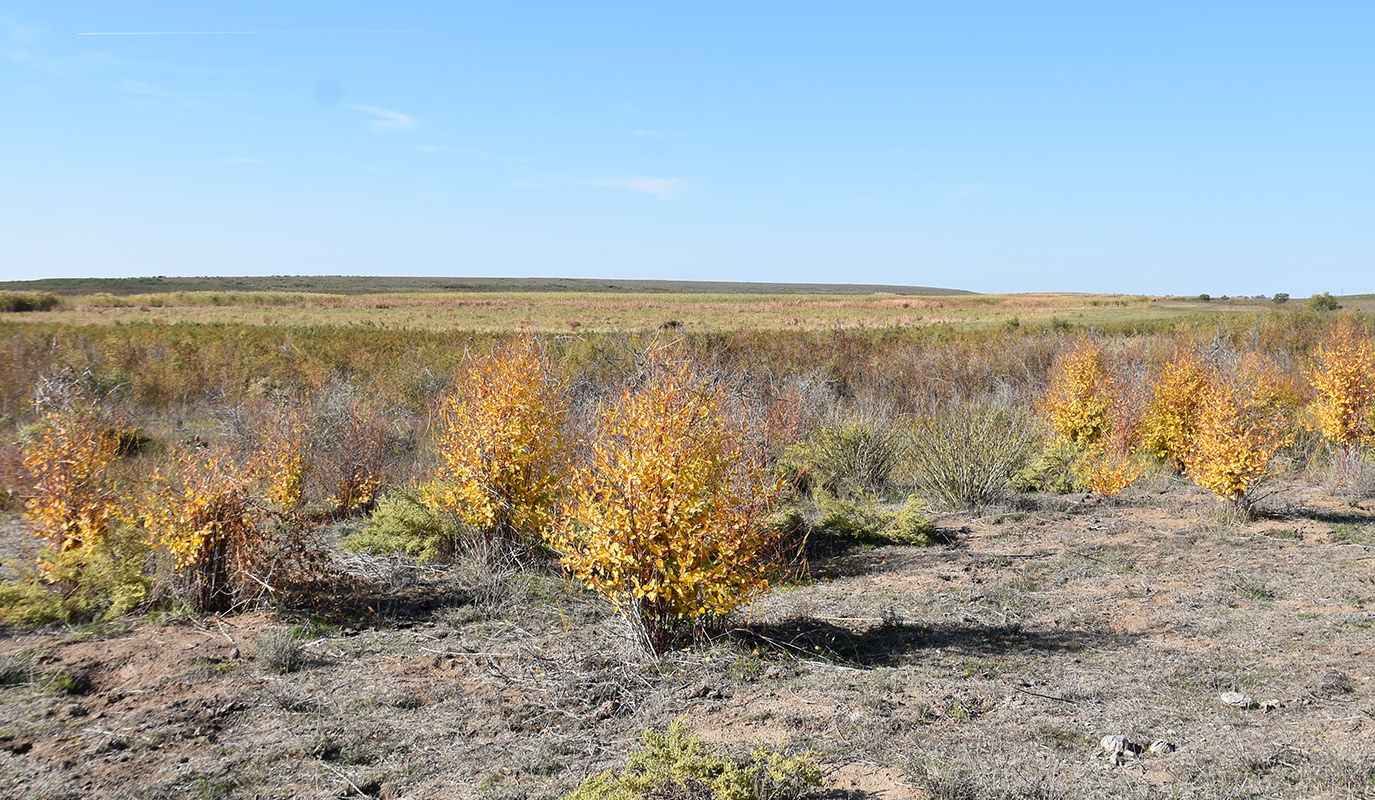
[(547, 306), (266, 542)]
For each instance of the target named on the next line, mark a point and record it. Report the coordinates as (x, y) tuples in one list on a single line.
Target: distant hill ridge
[(349, 284)]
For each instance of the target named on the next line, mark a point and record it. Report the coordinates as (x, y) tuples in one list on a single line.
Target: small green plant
[(863, 521), (676, 764), (403, 523), (1347, 533), (65, 682), (103, 581), (17, 669), (1052, 470)]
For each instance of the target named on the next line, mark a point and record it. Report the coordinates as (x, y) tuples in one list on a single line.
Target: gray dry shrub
[(281, 651), (1352, 475), (967, 454)]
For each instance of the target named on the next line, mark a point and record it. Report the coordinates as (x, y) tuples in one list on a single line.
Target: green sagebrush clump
[(968, 454), (103, 582), (1052, 470), (848, 455), (403, 523), (675, 764), (863, 520), (28, 301)]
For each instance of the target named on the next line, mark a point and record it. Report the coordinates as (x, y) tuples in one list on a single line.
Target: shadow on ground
[(890, 643)]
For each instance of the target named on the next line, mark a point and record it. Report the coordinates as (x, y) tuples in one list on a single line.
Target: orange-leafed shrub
[(1171, 420), (668, 516), (1243, 422), (1343, 381), (74, 501), (501, 444), (1110, 466)]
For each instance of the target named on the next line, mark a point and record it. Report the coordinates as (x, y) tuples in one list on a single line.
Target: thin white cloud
[(17, 31), (387, 120), (662, 188), (243, 160)]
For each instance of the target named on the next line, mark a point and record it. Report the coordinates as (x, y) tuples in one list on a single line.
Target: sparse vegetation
[(231, 461)]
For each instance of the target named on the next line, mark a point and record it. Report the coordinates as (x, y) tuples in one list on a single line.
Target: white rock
[(1161, 747), (1119, 744), (1236, 699)]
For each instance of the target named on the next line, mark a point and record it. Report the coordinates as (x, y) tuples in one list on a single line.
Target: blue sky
[(1149, 148)]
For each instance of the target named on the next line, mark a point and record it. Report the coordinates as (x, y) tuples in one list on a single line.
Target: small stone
[(1270, 705), (1116, 744), (1236, 700), (1161, 747)]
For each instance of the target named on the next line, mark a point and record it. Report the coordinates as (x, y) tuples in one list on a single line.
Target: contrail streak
[(215, 33)]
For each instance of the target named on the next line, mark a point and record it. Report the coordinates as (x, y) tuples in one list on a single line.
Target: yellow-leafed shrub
[(217, 514), (74, 503), (1090, 410), (1078, 398), (501, 445), (1343, 380), (1171, 421), (1243, 422), (203, 514), (282, 454), (669, 517)]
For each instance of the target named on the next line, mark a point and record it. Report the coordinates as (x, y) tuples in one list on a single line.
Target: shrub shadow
[(891, 642), (1329, 516), (355, 603)]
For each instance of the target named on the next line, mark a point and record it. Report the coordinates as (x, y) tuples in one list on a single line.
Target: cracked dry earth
[(992, 667)]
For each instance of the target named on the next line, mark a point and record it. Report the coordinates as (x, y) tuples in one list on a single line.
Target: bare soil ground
[(991, 667)]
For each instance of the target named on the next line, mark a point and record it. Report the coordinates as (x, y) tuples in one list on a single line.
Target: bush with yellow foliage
[(1078, 399), (70, 453), (1343, 380), (669, 516), (1243, 422), (1092, 412), (1171, 419), (501, 445)]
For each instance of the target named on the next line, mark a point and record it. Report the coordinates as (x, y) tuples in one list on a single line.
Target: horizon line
[(218, 33)]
